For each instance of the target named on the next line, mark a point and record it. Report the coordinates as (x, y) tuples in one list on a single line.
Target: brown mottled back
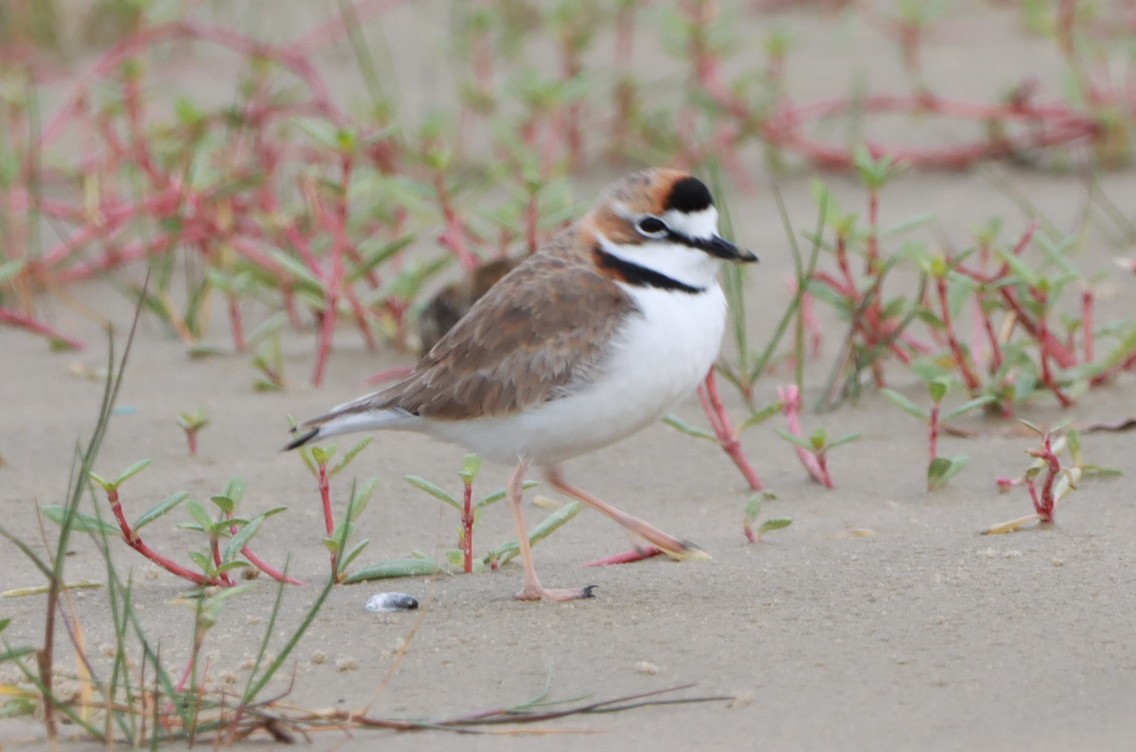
[(539, 330)]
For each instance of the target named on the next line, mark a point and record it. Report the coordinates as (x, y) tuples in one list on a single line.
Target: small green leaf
[(321, 454), (501, 493), (11, 269), (414, 567), (159, 509), (938, 388), (753, 509), (456, 557), (471, 468), (942, 469), (352, 554), (352, 454), (1074, 437), (131, 471), (1019, 267), (967, 407), (424, 485), (681, 425), (905, 404), (844, 440), (547, 527), (225, 504), (360, 498), (331, 544), (776, 523), (203, 562), (199, 514), (83, 523), (99, 480), (759, 417), (242, 537), (235, 490), (793, 438)]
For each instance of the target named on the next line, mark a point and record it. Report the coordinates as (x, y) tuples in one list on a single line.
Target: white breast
[(657, 358)]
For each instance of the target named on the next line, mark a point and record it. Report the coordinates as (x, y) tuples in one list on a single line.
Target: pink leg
[(668, 544), (533, 590)]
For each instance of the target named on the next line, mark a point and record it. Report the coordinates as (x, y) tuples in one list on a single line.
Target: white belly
[(660, 357)]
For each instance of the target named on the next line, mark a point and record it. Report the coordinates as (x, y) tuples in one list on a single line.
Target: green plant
[(1048, 479), (940, 470), (317, 459), (753, 509), (469, 510), (191, 424)]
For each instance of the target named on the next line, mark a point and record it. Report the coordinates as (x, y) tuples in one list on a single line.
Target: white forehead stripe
[(701, 225)]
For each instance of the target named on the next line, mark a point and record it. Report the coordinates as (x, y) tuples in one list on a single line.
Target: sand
[(879, 620)]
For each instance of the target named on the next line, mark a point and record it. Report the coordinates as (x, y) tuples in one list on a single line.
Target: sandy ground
[(916, 634)]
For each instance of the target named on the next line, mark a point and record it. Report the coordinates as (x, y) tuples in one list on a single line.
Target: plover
[(590, 339)]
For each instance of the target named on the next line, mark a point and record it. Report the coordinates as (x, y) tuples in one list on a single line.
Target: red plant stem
[(973, 383), (812, 323), (191, 439), (215, 545), (328, 515), (467, 527), (1046, 504), (870, 336), (267, 568), (198, 643), (826, 476), (1088, 345), (1046, 371), (236, 324), (135, 541), (288, 56), (791, 400), (873, 232), (934, 433), (24, 321), (727, 436), (1108, 374), (1048, 343), (454, 236), (262, 565), (995, 346), (325, 497)]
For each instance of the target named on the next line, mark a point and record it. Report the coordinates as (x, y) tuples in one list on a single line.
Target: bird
[(591, 338)]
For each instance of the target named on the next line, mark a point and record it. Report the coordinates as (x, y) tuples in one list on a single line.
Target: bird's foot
[(538, 593)]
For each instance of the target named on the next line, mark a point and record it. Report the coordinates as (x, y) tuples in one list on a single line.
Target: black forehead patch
[(689, 195)]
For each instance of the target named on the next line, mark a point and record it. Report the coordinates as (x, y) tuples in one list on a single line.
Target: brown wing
[(540, 329)]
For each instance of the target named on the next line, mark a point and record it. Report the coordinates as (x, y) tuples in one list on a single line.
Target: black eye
[(651, 226)]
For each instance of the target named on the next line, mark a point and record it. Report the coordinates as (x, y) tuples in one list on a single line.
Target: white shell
[(385, 603)]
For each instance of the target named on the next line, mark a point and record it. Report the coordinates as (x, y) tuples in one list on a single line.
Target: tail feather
[(302, 439), (345, 419)]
